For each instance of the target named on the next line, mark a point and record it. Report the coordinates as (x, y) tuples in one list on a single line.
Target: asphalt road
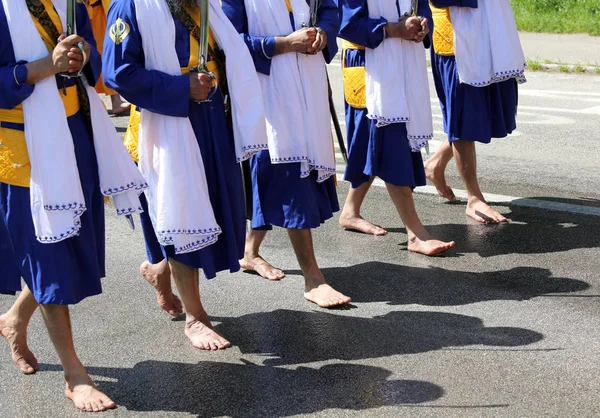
[(505, 325)]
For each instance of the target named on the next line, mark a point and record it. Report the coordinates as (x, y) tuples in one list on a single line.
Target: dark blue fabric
[(473, 113), (381, 152), (65, 272), (280, 197), (328, 20), (357, 27), (457, 3), (169, 95)]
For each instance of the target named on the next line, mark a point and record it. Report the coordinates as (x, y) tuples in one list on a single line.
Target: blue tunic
[(381, 152), (69, 271), (169, 95), (472, 113), (280, 196)]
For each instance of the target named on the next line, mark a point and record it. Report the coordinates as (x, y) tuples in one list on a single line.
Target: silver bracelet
[(262, 45), (15, 74)]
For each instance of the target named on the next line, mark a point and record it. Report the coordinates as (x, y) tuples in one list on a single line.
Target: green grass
[(563, 68), (598, 70), (558, 16), (579, 68), (534, 65)]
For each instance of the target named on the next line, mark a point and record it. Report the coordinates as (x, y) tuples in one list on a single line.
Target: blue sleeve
[(425, 11), (84, 29), (235, 10), (124, 71), (11, 94), (357, 27), (456, 3), (329, 20)]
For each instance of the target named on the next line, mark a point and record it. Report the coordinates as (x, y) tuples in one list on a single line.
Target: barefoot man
[(388, 111), (59, 154), (97, 10), (186, 150), (292, 183), (477, 61)]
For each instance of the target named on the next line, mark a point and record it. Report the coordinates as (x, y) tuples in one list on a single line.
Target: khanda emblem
[(119, 31)]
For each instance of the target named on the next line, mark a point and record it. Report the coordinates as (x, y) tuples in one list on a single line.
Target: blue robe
[(166, 94), (472, 113), (381, 152), (280, 196), (66, 272)]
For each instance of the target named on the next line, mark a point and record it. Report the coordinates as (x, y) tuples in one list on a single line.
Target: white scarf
[(296, 93), (486, 44), (397, 80), (57, 200)]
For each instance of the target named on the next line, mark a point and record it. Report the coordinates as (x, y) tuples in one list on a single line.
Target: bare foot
[(482, 212), (159, 276), (261, 267), (202, 335), (86, 396), (17, 339), (326, 296), (358, 223), (426, 244), (437, 176), (119, 106)]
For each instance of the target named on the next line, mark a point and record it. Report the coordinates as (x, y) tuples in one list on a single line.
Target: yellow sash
[(15, 168), (355, 79), (443, 32), (289, 6)]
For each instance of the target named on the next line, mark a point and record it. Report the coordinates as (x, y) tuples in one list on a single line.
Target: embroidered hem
[(250, 150), (499, 77)]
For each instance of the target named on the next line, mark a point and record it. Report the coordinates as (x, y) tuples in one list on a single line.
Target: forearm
[(39, 70)]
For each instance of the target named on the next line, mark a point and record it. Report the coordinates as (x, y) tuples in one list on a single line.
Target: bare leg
[(316, 288), (119, 106), (419, 239), (252, 260), (350, 217), (198, 327), (80, 388), (466, 161), (159, 276), (435, 170), (13, 327)]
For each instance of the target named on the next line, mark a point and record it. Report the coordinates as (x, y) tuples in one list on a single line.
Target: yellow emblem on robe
[(119, 31)]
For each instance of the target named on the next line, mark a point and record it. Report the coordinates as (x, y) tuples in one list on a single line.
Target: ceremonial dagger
[(203, 8), (314, 8), (71, 29)]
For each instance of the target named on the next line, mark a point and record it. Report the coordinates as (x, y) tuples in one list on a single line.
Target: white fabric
[(486, 43), (248, 111), (397, 80), (295, 94), (169, 156), (57, 200)]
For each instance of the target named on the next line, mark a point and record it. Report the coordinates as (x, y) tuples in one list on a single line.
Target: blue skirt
[(226, 194), (378, 152), (280, 197), (473, 113), (66, 272)]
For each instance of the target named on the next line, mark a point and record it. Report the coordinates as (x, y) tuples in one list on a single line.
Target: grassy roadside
[(558, 16)]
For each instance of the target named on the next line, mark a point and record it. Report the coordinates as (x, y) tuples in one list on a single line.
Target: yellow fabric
[(355, 80), (443, 32), (98, 21), (131, 136), (15, 168), (48, 40), (350, 45), (289, 6)]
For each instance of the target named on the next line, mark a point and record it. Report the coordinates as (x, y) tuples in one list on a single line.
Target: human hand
[(66, 56), (302, 40), (200, 86), (320, 42)]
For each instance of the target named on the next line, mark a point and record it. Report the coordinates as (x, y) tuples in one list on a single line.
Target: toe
[(108, 403)]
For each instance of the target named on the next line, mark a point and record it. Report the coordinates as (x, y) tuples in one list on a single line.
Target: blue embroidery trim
[(501, 76), (121, 189)]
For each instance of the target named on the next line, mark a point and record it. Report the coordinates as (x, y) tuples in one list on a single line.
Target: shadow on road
[(212, 389), (406, 285), (527, 233), (303, 337)]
